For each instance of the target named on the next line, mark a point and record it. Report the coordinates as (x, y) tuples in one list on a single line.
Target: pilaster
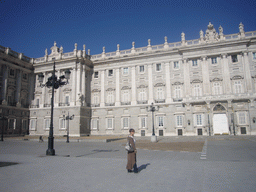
[(186, 77), (5, 81), (168, 83), (247, 73), (83, 85), (133, 102), (226, 75), (150, 84), (205, 74), (57, 96), (18, 88), (117, 103), (73, 87), (102, 88)]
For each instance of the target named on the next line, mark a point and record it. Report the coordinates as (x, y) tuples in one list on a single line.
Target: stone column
[(4, 84), (134, 100), (31, 84), (84, 86), (73, 87), (247, 73), (117, 103), (205, 74), (43, 91), (227, 89), (186, 78), (102, 89), (168, 83), (57, 96), (150, 84), (18, 88), (78, 85)]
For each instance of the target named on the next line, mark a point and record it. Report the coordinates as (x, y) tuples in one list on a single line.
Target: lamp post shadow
[(144, 166)]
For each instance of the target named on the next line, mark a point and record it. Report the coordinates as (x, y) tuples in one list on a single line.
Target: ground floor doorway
[(220, 124)]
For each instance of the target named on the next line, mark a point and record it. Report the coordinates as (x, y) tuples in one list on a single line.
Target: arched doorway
[(220, 120)]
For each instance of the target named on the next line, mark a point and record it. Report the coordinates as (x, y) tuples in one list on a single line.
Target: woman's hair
[(131, 130)]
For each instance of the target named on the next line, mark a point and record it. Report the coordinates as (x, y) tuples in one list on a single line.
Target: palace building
[(205, 86)]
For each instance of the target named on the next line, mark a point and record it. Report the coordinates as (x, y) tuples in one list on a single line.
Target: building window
[(32, 124), (234, 58), (12, 72), (217, 88), (194, 62), (24, 124), (125, 71), (62, 123), (177, 92), (197, 90), (110, 97), (160, 121), (96, 74), (109, 123), (176, 65), (110, 72), (24, 76), (238, 86), (142, 95), (125, 96), (143, 122), (241, 118), (95, 123), (125, 122), (158, 67), (160, 93), (254, 55), (11, 124), (142, 69), (47, 124), (198, 120), (179, 120), (95, 99), (214, 60), (67, 99)]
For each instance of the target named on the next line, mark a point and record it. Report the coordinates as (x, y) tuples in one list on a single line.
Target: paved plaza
[(225, 163)]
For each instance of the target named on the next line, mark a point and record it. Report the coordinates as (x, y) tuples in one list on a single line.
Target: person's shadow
[(144, 166)]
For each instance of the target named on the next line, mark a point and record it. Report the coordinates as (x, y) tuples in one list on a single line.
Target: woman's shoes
[(129, 171)]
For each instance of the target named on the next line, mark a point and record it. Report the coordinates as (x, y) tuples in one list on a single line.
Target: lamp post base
[(153, 139), (50, 152)]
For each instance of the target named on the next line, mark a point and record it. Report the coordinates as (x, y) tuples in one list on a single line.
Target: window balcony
[(64, 104), (34, 106), (177, 100), (142, 102), (159, 100), (126, 103), (47, 105), (109, 104), (95, 105)]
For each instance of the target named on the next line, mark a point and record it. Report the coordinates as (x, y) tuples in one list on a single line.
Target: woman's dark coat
[(131, 155)]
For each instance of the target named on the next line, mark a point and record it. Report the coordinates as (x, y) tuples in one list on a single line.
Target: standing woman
[(131, 163)]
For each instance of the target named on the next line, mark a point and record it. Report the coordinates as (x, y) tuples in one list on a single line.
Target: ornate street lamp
[(54, 83), (153, 108), (68, 118)]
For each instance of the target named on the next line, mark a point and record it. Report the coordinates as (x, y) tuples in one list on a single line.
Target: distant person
[(131, 159)]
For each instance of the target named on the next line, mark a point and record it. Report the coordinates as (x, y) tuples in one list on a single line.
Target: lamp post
[(153, 108), (68, 118), (53, 83), (2, 117)]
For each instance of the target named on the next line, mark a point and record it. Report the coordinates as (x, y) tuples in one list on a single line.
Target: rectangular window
[(143, 122), (125, 123), (141, 68), (194, 62), (254, 55), (110, 97), (176, 65), (160, 121), (142, 95), (62, 123), (199, 121), (94, 123), (24, 76), (110, 72), (125, 71), (33, 124), (241, 118), (24, 124), (47, 123), (158, 67), (125, 96), (95, 98), (179, 120), (110, 123), (12, 72), (238, 86), (216, 88), (177, 92), (11, 124), (96, 74), (214, 60), (197, 90), (160, 93), (234, 58)]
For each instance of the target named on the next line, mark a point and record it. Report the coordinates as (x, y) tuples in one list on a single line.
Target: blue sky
[(31, 26)]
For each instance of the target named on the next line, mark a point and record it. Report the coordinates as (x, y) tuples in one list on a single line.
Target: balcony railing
[(159, 100), (64, 104), (126, 103), (142, 102), (177, 100), (109, 104), (47, 105), (95, 105)]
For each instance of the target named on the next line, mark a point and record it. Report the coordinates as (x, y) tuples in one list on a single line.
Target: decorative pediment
[(177, 83), (236, 77), (196, 81), (159, 85), (110, 89), (125, 88), (216, 79), (95, 90), (142, 86), (219, 107)]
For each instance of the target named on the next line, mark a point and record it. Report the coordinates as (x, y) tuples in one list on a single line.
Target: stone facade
[(204, 86), (16, 83)]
